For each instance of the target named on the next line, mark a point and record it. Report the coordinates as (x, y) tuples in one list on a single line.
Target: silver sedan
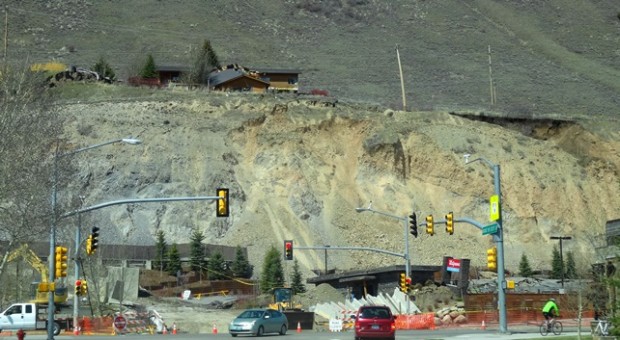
[(258, 322)]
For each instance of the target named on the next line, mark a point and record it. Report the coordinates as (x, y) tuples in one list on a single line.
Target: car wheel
[(234, 335), (283, 330), (56, 328), (260, 331)]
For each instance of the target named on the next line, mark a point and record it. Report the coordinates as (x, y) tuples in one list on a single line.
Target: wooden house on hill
[(280, 80), (171, 73), (236, 80)]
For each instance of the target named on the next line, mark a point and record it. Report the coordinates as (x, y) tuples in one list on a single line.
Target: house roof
[(172, 67), (217, 78), (277, 71)]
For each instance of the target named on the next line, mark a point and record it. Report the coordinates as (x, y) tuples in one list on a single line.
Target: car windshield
[(252, 314), (379, 313)]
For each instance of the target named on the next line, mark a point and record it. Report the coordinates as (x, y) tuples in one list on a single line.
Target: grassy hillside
[(552, 57)]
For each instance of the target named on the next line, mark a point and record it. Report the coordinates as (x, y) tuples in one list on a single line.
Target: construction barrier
[(417, 321)]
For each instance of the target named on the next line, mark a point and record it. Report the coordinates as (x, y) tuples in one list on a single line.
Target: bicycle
[(551, 326), (602, 328)]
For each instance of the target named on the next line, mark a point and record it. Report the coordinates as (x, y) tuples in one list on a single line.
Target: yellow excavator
[(283, 299), (60, 292)]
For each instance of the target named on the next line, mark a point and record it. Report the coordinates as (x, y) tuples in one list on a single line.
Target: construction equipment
[(60, 292), (283, 301)]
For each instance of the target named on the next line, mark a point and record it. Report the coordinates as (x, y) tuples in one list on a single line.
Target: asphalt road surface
[(529, 333)]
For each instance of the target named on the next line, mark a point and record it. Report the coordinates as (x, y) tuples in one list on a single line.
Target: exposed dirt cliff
[(297, 171)]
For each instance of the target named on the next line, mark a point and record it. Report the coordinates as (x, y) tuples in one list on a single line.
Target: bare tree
[(29, 125)]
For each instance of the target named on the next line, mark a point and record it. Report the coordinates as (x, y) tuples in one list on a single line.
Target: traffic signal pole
[(76, 255)]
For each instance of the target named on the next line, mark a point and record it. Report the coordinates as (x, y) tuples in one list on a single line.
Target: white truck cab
[(29, 316)]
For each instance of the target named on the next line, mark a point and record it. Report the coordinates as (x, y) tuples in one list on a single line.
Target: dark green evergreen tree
[(149, 69), (205, 61), (571, 267), (161, 251), (216, 267), (241, 267), (556, 264), (197, 255), (273, 273), (297, 283), (104, 69), (174, 260), (525, 269)]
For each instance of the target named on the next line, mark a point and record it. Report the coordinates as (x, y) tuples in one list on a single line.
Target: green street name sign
[(490, 229)]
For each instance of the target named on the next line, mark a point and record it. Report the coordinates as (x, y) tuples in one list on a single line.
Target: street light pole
[(561, 256), (50, 259), (405, 223), (499, 240)]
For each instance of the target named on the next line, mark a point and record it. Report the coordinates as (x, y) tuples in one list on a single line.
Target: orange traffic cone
[(298, 327), (165, 330), (214, 329), (76, 330), (174, 328), (483, 326)]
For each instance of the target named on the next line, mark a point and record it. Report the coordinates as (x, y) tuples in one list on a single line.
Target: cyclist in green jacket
[(550, 310)]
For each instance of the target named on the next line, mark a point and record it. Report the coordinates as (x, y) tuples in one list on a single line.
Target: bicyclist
[(550, 310)]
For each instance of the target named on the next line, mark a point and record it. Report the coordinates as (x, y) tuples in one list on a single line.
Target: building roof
[(368, 274), (277, 71), (217, 78), (172, 67)]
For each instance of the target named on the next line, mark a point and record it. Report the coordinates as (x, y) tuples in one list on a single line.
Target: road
[(524, 333)]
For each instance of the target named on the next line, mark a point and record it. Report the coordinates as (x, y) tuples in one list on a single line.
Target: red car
[(375, 322)]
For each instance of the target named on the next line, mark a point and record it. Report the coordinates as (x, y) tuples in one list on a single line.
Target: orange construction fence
[(417, 321)]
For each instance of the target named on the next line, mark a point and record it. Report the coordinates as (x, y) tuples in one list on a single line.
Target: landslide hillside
[(298, 171)]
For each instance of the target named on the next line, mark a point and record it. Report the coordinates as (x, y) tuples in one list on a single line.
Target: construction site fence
[(104, 325), (489, 317)]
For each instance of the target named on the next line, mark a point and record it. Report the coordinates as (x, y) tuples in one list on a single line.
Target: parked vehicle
[(258, 322), (375, 322), (31, 316)]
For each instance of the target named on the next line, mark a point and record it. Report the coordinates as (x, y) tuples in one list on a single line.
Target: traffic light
[(78, 287), (61, 262), (403, 282), (413, 224), (430, 229), (288, 250), (223, 209), (94, 240), (89, 245), (84, 288), (450, 223), (492, 258)]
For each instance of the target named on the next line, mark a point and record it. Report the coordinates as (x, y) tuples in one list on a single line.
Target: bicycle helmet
[(552, 299)]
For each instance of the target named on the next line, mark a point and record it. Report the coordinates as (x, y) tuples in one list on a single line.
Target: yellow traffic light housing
[(84, 288), (492, 258), (223, 208), (450, 223), (288, 250), (89, 245), (61, 262), (430, 228), (403, 283)]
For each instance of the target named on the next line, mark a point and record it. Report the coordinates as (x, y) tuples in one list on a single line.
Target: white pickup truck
[(31, 316)]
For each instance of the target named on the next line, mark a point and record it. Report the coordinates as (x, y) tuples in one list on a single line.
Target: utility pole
[(491, 85), (402, 81)]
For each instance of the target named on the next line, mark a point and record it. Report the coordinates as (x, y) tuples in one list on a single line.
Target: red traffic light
[(408, 280), (288, 245), (78, 283)]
